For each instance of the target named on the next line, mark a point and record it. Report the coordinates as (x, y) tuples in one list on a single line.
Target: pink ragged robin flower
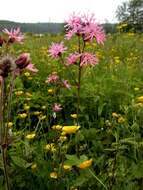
[(72, 58), (88, 59), (57, 107), (85, 26), (93, 30), (14, 35), (66, 84), (73, 26), (31, 67), (52, 78), (56, 49)]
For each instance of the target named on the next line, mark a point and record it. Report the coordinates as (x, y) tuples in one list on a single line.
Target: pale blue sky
[(56, 10)]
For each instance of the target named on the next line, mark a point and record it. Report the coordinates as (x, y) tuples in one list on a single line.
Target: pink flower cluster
[(56, 107), (85, 59), (14, 35), (56, 49), (66, 84), (88, 59), (72, 58), (53, 78), (85, 26)]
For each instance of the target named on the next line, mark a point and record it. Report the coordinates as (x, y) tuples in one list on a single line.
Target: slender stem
[(4, 158), (80, 50), (97, 178), (2, 133), (78, 91), (9, 107), (1, 110)]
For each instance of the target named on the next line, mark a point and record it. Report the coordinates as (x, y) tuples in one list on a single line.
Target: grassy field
[(106, 152)]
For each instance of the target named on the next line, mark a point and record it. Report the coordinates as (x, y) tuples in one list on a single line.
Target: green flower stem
[(91, 172)]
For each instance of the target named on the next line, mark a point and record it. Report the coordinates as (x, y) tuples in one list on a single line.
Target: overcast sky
[(56, 10)]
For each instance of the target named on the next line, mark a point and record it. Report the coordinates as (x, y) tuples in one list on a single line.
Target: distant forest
[(42, 28)]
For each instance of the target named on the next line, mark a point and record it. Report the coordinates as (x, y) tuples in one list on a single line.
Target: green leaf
[(74, 160), (20, 162), (137, 170)]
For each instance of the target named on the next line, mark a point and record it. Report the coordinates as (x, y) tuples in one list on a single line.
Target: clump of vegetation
[(80, 127)]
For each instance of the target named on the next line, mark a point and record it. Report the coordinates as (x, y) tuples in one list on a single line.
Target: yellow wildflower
[(138, 105), (121, 119), (85, 164), (114, 114), (50, 147), (43, 107), (140, 99), (36, 113), (34, 166), (57, 127), (30, 136), (23, 115), (63, 133), (54, 175), (70, 129), (19, 93), (10, 124), (26, 107), (67, 167), (63, 138), (74, 116), (27, 74), (50, 91)]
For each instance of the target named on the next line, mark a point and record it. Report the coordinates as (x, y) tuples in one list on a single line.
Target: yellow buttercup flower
[(70, 129), (67, 167), (63, 133), (138, 105), (50, 147), (23, 115), (19, 93), (85, 164), (54, 175), (27, 74), (140, 99), (34, 166), (26, 107), (36, 113), (114, 114), (30, 136), (50, 91), (43, 107), (74, 116), (121, 119), (63, 138), (57, 127), (10, 124)]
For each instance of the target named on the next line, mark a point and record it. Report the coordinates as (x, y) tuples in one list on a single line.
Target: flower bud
[(23, 60)]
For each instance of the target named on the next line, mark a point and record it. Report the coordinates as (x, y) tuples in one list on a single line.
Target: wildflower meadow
[(71, 108)]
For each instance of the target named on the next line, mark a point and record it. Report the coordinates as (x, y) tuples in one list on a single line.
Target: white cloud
[(56, 10)]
